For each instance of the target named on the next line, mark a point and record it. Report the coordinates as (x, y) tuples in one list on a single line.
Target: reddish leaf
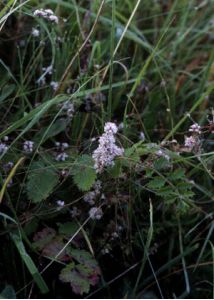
[(43, 237), (54, 247)]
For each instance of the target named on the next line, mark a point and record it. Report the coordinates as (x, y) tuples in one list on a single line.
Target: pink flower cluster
[(107, 150), (193, 141)]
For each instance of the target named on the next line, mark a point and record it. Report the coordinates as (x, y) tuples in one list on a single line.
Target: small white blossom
[(114, 235), (39, 13), (105, 251), (190, 142), (90, 197), (110, 128), (75, 212), (49, 11), (35, 32), (54, 85), (195, 128), (3, 148), (54, 19), (61, 156), (47, 14), (161, 153), (46, 71), (61, 146), (107, 150), (121, 126), (5, 138), (97, 187), (95, 213), (28, 146), (60, 203), (65, 146), (41, 81), (142, 136), (68, 107)]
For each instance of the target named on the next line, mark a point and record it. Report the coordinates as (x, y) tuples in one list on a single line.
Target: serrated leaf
[(53, 248), (83, 274), (43, 237), (50, 244), (79, 283), (68, 229), (177, 174), (83, 172), (161, 163), (41, 181), (85, 258), (156, 183)]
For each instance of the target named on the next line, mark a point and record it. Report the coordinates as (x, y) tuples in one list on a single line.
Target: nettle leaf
[(79, 283), (41, 181), (156, 183), (43, 237), (84, 174), (53, 248), (84, 257), (68, 229), (83, 274), (161, 163), (50, 244), (177, 174)]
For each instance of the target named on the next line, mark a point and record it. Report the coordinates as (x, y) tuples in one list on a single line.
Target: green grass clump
[(106, 149)]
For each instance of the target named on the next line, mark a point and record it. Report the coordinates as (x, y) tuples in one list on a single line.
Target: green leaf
[(53, 248), (41, 181), (50, 244), (85, 258), (156, 183), (116, 170), (31, 226), (43, 237), (68, 229), (7, 91), (83, 274), (47, 132), (8, 293), (29, 263), (161, 163), (83, 172), (78, 282), (177, 174)]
